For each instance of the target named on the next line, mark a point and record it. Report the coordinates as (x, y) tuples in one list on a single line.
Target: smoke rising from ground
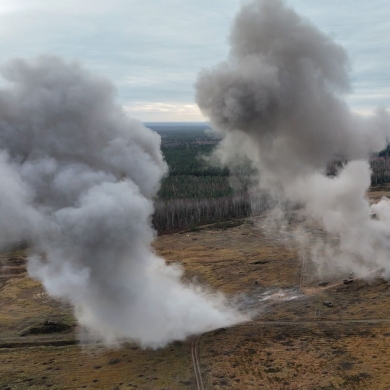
[(78, 178), (279, 99)]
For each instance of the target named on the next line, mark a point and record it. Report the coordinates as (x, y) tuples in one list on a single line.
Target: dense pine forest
[(196, 193)]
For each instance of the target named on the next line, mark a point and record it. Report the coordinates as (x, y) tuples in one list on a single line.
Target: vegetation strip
[(27, 344)]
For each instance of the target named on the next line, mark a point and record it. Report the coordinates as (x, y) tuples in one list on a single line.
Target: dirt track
[(196, 363)]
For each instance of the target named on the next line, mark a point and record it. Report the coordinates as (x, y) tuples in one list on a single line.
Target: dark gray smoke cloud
[(279, 99), (78, 179)]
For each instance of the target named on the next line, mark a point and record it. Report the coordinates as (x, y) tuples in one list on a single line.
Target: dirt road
[(196, 363)]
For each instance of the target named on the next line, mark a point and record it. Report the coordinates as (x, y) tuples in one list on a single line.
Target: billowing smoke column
[(78, 178), (279, 98)]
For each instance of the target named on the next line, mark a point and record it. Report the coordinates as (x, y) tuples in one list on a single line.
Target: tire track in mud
[(196, 363)]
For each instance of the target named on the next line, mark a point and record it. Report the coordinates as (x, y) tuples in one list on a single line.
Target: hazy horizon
[(153, 61)]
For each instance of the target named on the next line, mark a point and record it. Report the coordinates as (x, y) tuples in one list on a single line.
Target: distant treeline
[(195, 193), (195, 187), (380, 167), (177, 214), (187, 159)]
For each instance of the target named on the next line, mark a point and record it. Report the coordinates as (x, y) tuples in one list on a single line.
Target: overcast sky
[(152, 50)]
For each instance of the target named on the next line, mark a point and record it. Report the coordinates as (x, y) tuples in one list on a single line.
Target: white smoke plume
[(78, 179), (280, 100)]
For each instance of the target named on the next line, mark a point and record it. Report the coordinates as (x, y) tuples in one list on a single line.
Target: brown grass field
[(292, 343)]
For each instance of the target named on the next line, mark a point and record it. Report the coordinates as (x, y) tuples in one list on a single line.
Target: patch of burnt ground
[(46, 328)]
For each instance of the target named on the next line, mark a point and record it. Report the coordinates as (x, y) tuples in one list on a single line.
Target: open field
[(295, 341), (298, 356), (94, 367)]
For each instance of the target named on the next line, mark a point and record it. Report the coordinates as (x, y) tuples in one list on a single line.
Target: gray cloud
[(280, 99), (362, 28), (78, 179)]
